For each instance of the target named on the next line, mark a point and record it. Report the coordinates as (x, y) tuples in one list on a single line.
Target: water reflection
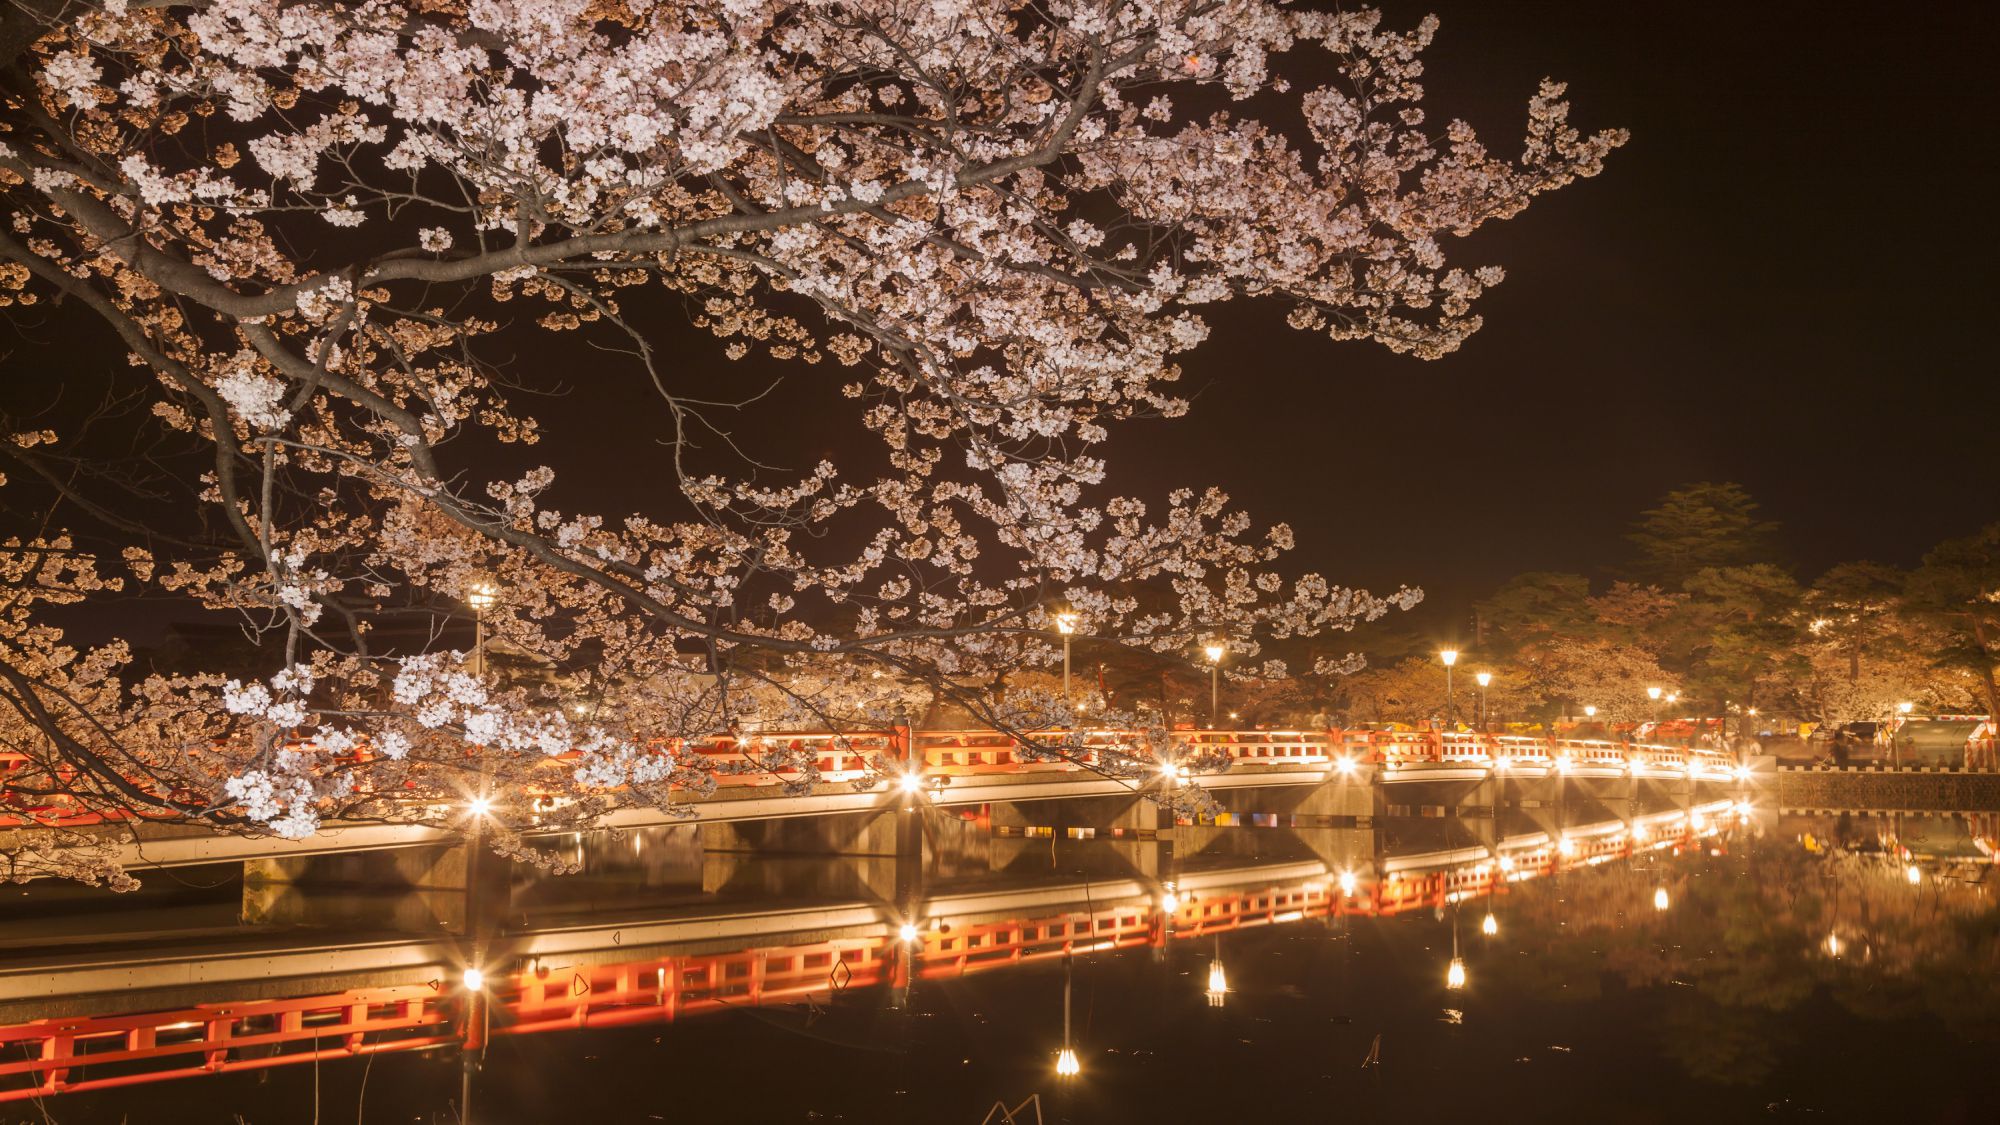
[(908, 965)]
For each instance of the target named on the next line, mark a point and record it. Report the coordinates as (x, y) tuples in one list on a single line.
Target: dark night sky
[(1781, 281)]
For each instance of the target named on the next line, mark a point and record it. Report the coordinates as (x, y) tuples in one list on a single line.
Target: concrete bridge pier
[(413, 890), (732, 851), (1127, 823)]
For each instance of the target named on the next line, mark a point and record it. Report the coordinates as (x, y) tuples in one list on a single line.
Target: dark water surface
[(1796, 974)]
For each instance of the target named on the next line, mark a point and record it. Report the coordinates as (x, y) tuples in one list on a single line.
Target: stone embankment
[(1877, 788)]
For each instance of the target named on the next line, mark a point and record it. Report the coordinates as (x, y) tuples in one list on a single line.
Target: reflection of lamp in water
[(1067, 1065), (1490, 926), (1833, 945), (1454, 977), (1913, 874), (1660, 900), (1218, 983)]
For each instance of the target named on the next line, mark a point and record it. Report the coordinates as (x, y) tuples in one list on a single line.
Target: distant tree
[(1853, 607), (1958, 589), (1699, 526), (1573, 673), (1637, 615), (1737, 632), (1410, 691), (1535, 606)]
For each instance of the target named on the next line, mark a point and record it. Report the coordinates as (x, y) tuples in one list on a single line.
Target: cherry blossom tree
[(319, 229)]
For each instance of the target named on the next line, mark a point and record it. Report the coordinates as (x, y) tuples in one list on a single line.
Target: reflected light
[(1660, 899), (1218, 983), (1913, 874), (1454, 977), (1490, 926), (1066, 1064), (1834, 945), (474, 979)]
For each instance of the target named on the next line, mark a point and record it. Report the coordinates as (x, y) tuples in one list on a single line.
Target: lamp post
[(1484, 678), (1450, 657), (482, 598), (1214, 650), (1065, 624)]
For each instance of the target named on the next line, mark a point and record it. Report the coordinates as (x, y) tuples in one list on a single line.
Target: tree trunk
[(1986, 670)]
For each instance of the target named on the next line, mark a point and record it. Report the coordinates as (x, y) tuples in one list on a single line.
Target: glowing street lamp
[(1654, 694), (473, 979), (1065, 624), (1214, 650), (481, 597)]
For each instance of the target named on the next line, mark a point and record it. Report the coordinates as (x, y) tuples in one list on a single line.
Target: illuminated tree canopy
[(320, 229)]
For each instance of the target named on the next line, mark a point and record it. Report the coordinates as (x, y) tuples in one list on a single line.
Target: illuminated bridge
[(980, 767)]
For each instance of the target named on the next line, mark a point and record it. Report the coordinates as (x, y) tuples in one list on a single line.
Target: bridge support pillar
[(404, 889)]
